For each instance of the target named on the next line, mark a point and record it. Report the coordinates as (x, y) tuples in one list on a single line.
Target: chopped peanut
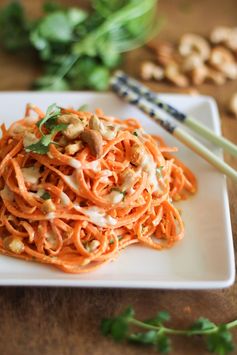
[(14, 244)]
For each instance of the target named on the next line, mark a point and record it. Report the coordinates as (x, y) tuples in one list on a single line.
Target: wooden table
[(66, 321)]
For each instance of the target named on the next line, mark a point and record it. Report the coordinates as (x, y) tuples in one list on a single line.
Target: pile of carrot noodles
[(89, 196)]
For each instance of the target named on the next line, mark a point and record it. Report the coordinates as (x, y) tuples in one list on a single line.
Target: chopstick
[(187, 120), (149, 108)]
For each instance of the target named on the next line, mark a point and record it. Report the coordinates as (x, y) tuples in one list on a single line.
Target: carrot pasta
[(77, 187)]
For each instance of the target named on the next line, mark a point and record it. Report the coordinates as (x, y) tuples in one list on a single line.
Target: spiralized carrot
[(76, 211)]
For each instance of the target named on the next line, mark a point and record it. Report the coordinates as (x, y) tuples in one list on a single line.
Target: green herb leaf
[(45, 196), (202, 324), (51, 6), (52, 112), (14, 27), (55, 27), (163, 343), (160, 318), (149, 337), (220, 342), (49, 121), (106, 325), (119, 329), (38, 148), (135, 134), (51, 83), (76, 16)]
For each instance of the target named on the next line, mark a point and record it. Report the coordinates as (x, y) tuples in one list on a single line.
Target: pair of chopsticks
[(148, 101)]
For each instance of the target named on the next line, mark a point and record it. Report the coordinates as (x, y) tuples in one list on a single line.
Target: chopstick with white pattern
[(149, 108)]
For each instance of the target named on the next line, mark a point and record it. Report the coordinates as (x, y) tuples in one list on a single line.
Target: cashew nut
[(108, 132), (150, 70), (220, 34), (172, 73), (233, 104), (223, 60), (164, 51), (199, 74), (94, 140), (75, 125), (216, 76), (191, 62), (192, 43), (14, 244), (226, 35), (73, 148)]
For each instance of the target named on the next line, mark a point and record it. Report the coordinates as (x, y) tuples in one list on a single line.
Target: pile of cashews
[(195, 59)]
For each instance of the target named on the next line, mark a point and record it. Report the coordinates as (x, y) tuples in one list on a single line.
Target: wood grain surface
[(65, 321)]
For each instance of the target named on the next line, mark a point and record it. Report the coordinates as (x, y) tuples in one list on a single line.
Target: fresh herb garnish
[(48, 122), (121, 328), (45, 196), (83, 107), (159, 170), (135, 134), (78, 48), (52, 112)]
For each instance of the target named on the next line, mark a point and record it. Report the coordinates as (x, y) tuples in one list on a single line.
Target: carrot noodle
[(94, 207)]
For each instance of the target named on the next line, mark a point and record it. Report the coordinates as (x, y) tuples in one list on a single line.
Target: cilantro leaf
[(42, 146), (162, 316), (52, 112), (202, 324), (37, 147), (220, 342), (14, 27), (118, 327), (163, 343), (149, 337), (45, 196)]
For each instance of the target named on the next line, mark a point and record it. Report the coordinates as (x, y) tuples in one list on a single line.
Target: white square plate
[(203, 259)]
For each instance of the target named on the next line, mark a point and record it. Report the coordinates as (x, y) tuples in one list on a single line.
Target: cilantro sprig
[(218, 338), (78, 49), (49, 122)]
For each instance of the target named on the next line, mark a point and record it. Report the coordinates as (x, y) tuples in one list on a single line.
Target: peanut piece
[(14, 244)]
